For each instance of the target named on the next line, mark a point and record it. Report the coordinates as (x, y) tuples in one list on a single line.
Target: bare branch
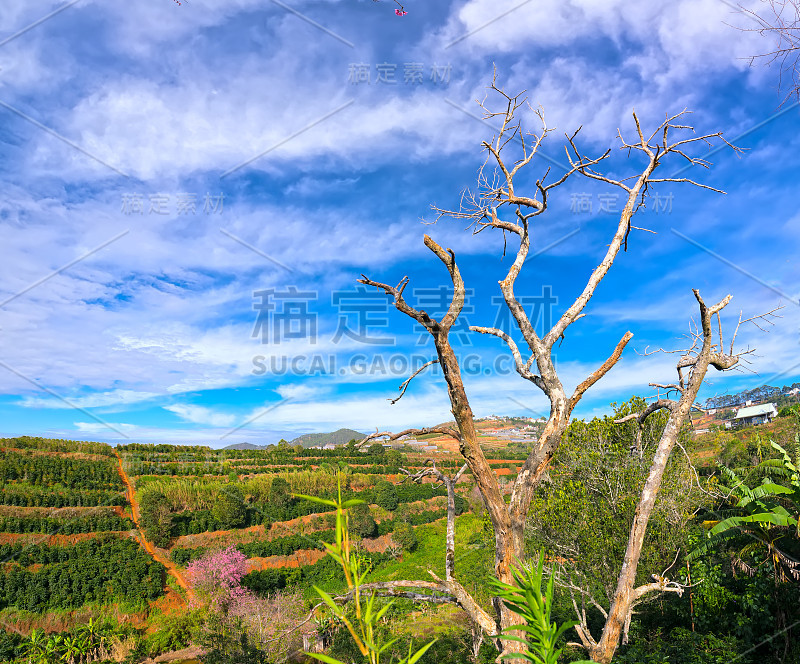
[(522, 369), (786, 35), (602, 371), (444, 430), (404, 385)]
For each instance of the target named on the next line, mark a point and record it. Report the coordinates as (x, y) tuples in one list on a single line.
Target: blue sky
[(191, 192)]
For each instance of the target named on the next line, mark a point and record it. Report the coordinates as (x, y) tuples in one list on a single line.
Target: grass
[(474, 562), (706, 449)]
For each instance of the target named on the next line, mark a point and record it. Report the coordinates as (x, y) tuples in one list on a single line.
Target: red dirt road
[(154, 553)]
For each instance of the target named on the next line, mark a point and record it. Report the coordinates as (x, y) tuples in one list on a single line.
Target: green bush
[(105, 571), (681, 646), (174, 632), (229, 510), (386, 496), (405, 536), (361, 522)]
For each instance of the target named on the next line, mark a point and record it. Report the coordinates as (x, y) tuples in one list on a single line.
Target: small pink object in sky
[(400, 13)]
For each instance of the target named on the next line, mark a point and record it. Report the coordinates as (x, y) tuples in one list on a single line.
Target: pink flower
[(400, 12), (218, 576)]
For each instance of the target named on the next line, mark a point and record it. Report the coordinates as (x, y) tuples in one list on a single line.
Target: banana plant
[(52, 649), (35, 645), (71, 649), (367, 612), (94, 633), (765, 513)]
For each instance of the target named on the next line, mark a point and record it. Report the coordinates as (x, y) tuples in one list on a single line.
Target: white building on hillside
[(766, 412)]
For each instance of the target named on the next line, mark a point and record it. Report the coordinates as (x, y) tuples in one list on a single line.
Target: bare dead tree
[(483, 211), (704, 352), (781, 23), (450, 484)]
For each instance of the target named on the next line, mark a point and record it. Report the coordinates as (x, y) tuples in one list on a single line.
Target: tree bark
[(626, 594)]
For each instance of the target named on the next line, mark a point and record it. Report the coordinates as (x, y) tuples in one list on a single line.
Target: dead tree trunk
[(697, 359), (483, 213)]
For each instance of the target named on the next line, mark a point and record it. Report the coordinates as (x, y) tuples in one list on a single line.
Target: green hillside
[(340, 437)]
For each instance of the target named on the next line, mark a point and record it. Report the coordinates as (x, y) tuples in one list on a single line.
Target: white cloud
[(297, 391), (201, 415), (114, 399), (105, 430)]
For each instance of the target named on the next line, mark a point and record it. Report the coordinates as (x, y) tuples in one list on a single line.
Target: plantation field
[(87, 530), (129, 536)]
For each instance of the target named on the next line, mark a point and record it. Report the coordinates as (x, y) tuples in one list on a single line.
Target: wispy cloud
[(201, 415)]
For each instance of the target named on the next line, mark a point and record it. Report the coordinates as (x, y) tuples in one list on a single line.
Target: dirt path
[(155, 554)]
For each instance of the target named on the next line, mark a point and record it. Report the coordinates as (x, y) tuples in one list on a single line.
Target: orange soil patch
[(297, 559), (209, 539), (502, 471), (248, 466), (705, 454), (169, 602), (306, 557), (60, 621), (418, 506), (378, 544)]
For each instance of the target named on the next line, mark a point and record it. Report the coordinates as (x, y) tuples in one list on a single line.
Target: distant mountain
[(340, 437), (245, 446)]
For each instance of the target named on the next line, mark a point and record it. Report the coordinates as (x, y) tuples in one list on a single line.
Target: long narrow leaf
[(324, 658)]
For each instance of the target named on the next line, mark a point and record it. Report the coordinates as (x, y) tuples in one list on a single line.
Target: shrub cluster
[(65, 526), (68, 472), (110, 570), (26, 496)]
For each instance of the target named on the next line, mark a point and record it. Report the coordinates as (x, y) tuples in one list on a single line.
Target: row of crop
[(89, 523), (103, 547), (285, 546), (54, 445), (199, 469), (320, 457), (180, 469), (166, 448), (30, 496), (69, 472), (190, 494), (119, 571), (364, 468), (281, 506)]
